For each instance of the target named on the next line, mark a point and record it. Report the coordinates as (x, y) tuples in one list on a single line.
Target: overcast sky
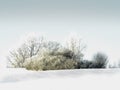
[(97, 22)]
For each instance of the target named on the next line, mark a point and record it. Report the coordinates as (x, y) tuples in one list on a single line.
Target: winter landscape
[(59, 44)]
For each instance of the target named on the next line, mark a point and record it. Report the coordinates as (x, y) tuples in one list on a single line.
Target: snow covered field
[(94, 79)]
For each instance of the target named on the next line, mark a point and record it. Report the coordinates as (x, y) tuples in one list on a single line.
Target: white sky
[(97, 22)]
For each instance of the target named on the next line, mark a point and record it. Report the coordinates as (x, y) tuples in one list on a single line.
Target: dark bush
[(100, 60), (85, 64)]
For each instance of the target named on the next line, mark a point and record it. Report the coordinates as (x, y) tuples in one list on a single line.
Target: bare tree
[(32, 47), (52, 46), (77, 47), (27, 50)]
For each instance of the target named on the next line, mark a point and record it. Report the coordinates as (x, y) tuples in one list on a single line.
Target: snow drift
[(94, 79)]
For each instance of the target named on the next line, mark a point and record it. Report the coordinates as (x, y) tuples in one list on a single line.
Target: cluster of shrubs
[(63, 60), (38, 54), (52, 61), (99, 61)]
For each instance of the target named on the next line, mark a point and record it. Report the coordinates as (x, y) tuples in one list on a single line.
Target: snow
[(91, 79)]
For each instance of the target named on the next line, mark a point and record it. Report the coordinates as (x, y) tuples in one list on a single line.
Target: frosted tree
[(28, 49), (74, 43)]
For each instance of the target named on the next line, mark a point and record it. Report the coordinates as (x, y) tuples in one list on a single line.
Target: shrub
[(85, 64), (50, 61), (100, 60)]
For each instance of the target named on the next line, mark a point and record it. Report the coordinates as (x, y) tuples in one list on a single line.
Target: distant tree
[(115, 64), (28, 49), (76, 46), (100, 60), (32, 47), (112, 66), (118, 64)]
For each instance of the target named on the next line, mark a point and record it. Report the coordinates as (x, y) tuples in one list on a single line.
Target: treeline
[(40, 54)]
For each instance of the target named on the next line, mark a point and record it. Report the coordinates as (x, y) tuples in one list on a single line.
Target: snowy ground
[(21, 79)]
